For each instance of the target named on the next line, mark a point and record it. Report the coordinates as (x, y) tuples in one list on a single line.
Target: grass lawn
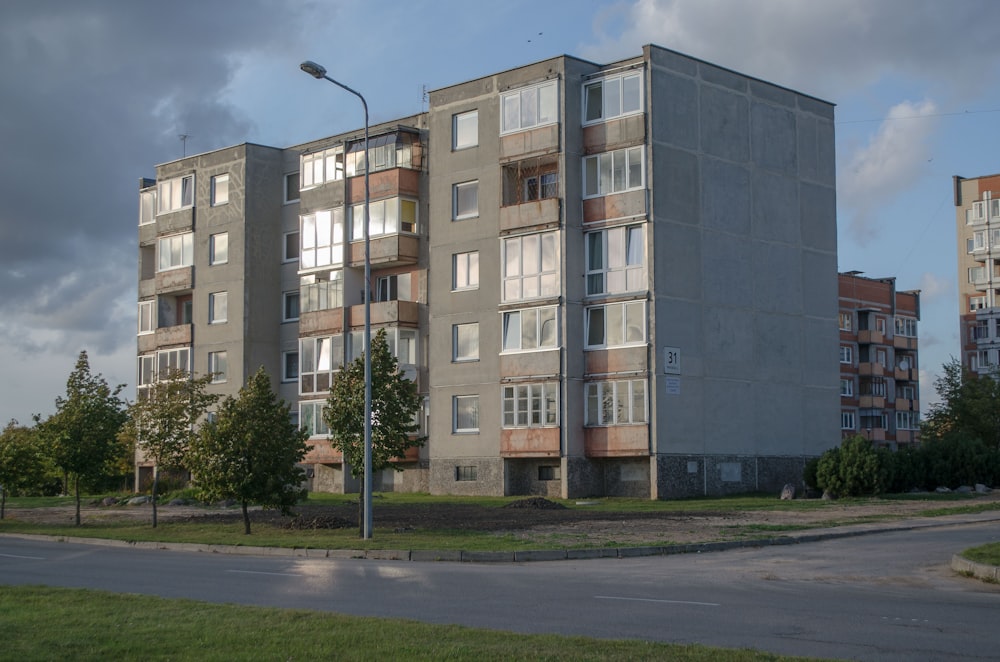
[(988, 554), (39, 623)]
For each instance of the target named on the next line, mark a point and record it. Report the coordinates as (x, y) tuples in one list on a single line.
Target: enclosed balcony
[(604, 136), (390, 250), (532, 142)]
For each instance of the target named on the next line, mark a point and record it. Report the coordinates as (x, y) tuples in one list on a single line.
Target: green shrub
[(957, 458), (909, 469), (854, 469), (809, 473)]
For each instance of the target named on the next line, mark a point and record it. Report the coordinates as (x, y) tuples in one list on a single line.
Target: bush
[(909, 470), (809, 474), (854, 469), (958, 458)]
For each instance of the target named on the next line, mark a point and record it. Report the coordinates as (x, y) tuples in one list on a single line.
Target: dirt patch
[(534, 519)]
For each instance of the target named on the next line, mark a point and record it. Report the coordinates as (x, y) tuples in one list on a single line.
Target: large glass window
[(906, 326), (616, 324), (616, 260), (529, 107), (465, 342), (175, 251), (384, 217), (311, 418), (320, 167), (322, 236), (613, 172), (390, 150), (319, 358), (530, 267), (465, 413), (176, 193), (321, 291), (616, 402), (530, 405), (612, 97), (173, 362), (531, 328), (465, 200), (465, 271), (465, 130)]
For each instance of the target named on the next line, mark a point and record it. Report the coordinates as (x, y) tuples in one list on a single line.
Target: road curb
[(986, 573)]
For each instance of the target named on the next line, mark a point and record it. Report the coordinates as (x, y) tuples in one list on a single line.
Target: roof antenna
[(184, 138), (423, 98)]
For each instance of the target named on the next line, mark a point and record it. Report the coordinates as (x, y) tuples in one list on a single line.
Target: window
[(906, 326), (220, 189), (218, 248), (977, 274), (218, 302), (175, 251), (183, 310), (321, 291), (977, 303), (846, 321), (218, 367), (531, 328), (529, 180), (616, 403), (399, 149), (880, 325), (321, 167), (176, 193), (549, 472), (530, 267), (291, 187), (612, 97), (616, 324), (847, 421), (529, 107), (147, 317), (465, 271), (169, 361), (396, 287), (613, 172), (846, 388), (465, 342), (289, 366), (146, 370), (977, 214), (980, 330), (322, 239), (319, 358), (290, 253), (907, 420), (384, 217), (906, 392), (465, 200), (465, 130), (311, 418), (616, 260), (147, 206), (530, 405), (466, 473), (846, 354), (465, 413), (289, 306), (976, 242)]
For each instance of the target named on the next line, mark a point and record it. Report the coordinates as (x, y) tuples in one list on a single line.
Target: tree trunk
[(76, 483), (156, 485), (246, 519)]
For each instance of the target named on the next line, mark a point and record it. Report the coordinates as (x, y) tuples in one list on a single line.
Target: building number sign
[(672, 360)]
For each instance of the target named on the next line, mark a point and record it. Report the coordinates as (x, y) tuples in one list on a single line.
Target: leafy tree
[(83, 433), (854, 469), (250, 451), (395, 404), (162, 422), (968, 403), (23, 465)]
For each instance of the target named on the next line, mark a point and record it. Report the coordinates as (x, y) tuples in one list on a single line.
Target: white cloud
[(933, 287)]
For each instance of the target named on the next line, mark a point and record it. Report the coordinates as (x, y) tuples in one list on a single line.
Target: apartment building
[(605, 279), (879, 371), (977, 222)]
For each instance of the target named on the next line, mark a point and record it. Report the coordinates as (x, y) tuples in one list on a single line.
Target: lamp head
[(313, 69)]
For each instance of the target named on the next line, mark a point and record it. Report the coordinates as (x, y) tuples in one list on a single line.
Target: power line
[(918, 117)]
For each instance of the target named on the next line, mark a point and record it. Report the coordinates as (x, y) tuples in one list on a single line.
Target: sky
[(93, 95)]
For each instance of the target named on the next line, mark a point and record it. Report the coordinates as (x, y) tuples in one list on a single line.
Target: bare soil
[(533, 519)]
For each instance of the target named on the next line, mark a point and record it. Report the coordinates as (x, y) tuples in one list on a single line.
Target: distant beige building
[(605, 279)]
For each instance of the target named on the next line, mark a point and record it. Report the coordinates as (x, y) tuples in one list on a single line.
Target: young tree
[(83, 433), (395, 404), (969, 404), (162, 421), (250, 451), (22, 463)]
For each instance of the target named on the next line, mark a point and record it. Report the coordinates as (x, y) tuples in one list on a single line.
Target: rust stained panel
[(528, 214), (617, 205), (614, 134), (529, 442), (620, 441), (321, 321), (386, 251), (534, 141), (622, 359), (323, 452)]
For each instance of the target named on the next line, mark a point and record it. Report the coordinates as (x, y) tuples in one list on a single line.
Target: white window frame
[(145, 370), (848, 420), (220, 190), (634, 311), (623, 398), (977, 213), (175, 246), (847, 354), (318, 168), (325, 355), (846, 321), (462, 125), (606, 111), (218, 243), (322, 238), (536, 105), (473, 425), (385, 217), (465, 271), (178, 358), (147, 206), (175, 194), (218, 307), (515, 323), (907, 420), (289, 366), (613, 172), (461, 334), (526, 274), (617, 271), (906, 326), (218, 366), (977, 303), (311, 418), (458, 191), (286, 299), (533, 405), (147, 317), (846, 388)]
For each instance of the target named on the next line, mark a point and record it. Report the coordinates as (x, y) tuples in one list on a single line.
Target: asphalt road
[(887, 596)]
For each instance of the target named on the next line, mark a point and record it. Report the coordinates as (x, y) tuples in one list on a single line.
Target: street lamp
[(318, 71)]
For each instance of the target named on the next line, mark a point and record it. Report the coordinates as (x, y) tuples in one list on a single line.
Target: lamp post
[(318, 71)]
